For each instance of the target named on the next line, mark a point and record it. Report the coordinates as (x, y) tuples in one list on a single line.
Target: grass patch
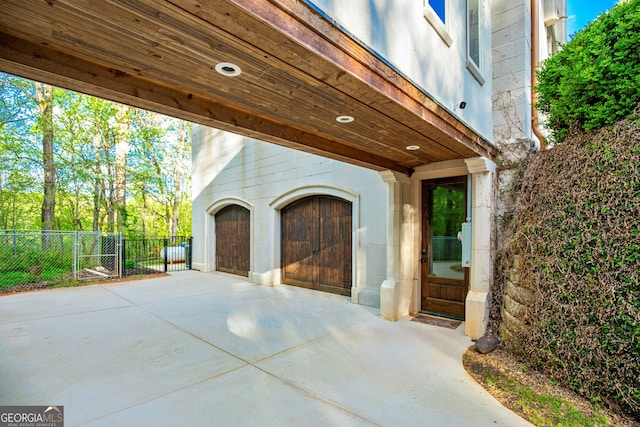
[(533, 396), (544, 409)]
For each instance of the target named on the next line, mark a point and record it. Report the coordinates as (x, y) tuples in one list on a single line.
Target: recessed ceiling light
[(413, 147), (228, 69), (344, 119)]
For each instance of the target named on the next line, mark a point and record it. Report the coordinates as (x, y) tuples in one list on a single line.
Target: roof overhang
[(299, 72)]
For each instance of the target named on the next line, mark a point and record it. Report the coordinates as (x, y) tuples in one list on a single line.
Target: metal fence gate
[(97, 255), (153, 255)]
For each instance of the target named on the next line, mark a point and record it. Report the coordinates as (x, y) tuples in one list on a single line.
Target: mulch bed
[(130, 274), (139, 270), (25, 287)]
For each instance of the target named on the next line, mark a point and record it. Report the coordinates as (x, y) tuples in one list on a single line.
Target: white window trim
[(475, 69), (441, 28), (475, 72)]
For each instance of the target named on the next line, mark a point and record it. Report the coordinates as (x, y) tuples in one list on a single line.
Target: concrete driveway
[(211, 349)]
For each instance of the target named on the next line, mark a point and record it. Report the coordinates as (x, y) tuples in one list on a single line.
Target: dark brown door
[(233, 240), (445, 282), (316, 244)]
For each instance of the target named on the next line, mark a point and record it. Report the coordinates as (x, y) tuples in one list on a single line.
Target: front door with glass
[(445, 282)]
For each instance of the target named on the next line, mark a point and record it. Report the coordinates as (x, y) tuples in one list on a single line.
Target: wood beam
[(39, 62), (309, 35), (161, 42)]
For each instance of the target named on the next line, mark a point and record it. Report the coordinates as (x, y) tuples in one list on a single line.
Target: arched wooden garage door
[(316, 244), (233, 240)]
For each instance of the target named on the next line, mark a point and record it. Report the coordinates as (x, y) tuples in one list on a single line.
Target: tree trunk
[(122, 149), (163, 191), (177, 178), (109, 191), (145, 208), (96, 205), (45, 106), (111, 215), (77, 217), (4, 213)]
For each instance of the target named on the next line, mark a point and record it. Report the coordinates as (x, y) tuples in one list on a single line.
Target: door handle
[(423, 260), (315, 250)]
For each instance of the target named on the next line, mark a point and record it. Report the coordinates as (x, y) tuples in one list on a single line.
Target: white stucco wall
[(228, 167), (398, 31), (386, 214)]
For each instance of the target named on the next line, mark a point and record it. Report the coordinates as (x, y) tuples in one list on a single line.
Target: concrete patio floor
[(211, 349)]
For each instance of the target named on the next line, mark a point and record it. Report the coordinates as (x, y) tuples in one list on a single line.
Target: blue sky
[(581, 12)]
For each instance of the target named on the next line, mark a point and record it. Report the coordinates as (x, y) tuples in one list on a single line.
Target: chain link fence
[(32, 259), (36, 257)]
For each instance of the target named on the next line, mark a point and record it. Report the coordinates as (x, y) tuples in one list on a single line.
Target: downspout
[(535, 119)]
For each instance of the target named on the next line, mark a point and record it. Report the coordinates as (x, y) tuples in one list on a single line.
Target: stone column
[(396, 290), (478, 299)]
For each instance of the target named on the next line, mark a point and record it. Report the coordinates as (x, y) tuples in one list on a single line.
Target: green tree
[(27, 153), (162, 173), (116, 168), (44, 97), (595, 79), (76, 162)]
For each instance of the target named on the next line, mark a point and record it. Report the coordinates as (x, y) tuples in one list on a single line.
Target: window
[(473, 39), (435, 12)]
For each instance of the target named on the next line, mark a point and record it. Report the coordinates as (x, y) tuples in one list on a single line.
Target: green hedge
[(595, 79), (577, 232)]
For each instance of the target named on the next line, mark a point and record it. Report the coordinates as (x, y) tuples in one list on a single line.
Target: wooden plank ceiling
[(299, 72)]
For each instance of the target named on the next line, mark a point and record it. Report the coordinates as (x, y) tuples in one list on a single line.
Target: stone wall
[(516, 300)]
